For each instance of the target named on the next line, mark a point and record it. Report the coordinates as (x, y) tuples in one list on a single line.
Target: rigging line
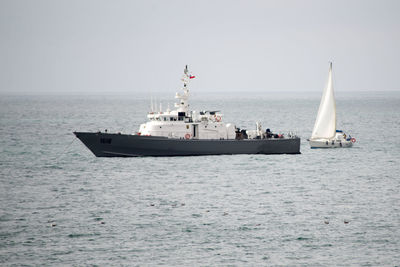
[(334, 80), (65, 149)]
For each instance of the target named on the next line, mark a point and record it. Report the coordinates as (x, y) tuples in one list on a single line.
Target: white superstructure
[(185, 123)]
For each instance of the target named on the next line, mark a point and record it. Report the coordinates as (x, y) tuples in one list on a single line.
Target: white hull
[(324, 143)]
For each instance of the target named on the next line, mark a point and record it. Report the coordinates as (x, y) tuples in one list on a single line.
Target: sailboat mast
[(333, 93)]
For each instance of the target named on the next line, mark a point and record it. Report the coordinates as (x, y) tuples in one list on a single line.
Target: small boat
[(325, 134), (185, 132)]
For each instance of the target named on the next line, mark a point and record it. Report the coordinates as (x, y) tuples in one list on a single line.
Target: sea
[(62, 206)]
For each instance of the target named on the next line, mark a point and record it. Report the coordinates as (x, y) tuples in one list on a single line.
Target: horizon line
[(152, 92)]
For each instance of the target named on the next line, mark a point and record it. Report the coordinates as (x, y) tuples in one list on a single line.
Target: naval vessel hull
[(125, 145)]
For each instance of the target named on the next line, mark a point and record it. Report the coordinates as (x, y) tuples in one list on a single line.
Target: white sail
[(325, 124)]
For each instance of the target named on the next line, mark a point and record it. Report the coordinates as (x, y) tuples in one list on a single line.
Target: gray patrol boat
[(182, 132)]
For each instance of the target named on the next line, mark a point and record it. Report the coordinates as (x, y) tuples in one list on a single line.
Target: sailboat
[(325, 134)]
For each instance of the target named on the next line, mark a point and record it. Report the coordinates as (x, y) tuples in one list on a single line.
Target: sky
[(96, 46)]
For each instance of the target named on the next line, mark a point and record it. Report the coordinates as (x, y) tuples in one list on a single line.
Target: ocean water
[(60, 205)]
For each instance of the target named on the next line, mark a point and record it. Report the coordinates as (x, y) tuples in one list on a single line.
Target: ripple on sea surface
[(62, 206)]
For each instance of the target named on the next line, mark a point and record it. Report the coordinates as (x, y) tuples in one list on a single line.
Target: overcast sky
[(130, 46)]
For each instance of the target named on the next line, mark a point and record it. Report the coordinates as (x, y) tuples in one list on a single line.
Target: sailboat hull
[(323, 143)]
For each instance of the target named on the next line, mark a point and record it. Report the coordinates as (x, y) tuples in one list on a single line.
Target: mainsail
[(325, 124)]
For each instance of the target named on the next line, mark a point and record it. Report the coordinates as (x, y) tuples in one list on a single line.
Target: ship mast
[(183, 105)]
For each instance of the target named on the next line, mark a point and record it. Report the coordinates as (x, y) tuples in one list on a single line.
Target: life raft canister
[(187, 136)]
